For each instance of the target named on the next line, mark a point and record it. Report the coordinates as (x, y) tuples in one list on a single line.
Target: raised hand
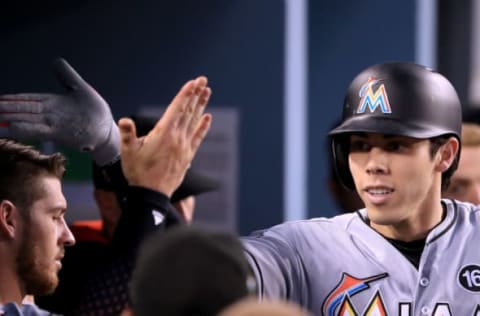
[(159, 160), (80, 118)]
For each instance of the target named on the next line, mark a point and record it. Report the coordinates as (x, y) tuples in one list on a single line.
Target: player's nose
[(66, 236), (377, 161)]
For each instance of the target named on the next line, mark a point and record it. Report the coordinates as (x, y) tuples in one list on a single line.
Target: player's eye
[(58, 216), (359, 145), (394, 146)]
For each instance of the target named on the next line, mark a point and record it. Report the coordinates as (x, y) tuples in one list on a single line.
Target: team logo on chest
[(349, 286)]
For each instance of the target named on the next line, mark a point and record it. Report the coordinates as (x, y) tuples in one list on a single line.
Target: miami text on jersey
[(339, 303)]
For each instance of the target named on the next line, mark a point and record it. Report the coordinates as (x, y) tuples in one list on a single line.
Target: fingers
[(180, 102), (66, 75), (21, 117), (202, 102), (191, 119), (128, 133), (24, 97), (201, 132), (25, 102), (186, 115), (12, 108), (27, 130), (204, 98), (191, 109), (24, 107), (185, 105), (200, 85)]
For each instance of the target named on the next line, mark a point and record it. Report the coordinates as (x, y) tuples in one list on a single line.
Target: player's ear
[(8, 219), (446, 154)]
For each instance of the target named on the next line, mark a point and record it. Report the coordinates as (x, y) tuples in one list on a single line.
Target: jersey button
[(424, 282), (425, 310)]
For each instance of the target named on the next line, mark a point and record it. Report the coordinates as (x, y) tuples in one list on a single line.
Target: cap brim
[(193, 184)]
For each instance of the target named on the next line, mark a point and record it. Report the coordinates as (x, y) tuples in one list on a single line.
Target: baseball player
[(408, 252)]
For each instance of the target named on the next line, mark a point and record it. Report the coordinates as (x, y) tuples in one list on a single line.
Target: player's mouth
[(378, 194), (58, 264), (58, 260)]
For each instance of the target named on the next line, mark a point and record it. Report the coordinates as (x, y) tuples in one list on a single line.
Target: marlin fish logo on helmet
[(397, 98), (371, 100)]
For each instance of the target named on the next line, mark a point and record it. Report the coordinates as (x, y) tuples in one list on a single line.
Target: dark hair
[(20, 167), (435, 144), (189, 271)]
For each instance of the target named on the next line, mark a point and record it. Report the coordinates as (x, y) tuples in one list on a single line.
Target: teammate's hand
[(80, 118), (159, 160)]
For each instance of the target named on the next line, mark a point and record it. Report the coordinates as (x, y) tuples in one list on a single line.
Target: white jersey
[(341, 266)]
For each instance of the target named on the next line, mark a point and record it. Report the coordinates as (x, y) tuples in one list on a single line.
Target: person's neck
[(415, 228), (10, 288)]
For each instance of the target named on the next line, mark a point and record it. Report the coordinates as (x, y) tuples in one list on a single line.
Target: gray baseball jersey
[(341, 266)]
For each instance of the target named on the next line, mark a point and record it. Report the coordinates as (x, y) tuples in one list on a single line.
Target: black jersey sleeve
[(143, 211)]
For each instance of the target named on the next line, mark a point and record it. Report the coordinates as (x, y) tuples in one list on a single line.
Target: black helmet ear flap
[(340, 148)]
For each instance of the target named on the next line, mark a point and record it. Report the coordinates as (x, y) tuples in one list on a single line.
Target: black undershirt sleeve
[(143, 210)]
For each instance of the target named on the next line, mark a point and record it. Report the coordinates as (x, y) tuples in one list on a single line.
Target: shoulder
[(339, 222), (11, 309), (462, 208), (300, 230), (462, 214)]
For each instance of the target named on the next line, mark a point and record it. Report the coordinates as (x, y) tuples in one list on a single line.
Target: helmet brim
[(387, 126)]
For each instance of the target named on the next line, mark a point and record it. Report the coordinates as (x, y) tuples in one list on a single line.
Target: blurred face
[(45, 237), (186, 208), (395, 177), (110, 210), (465, 182)]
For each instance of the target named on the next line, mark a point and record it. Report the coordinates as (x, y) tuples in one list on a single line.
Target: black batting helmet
[(397, 98)]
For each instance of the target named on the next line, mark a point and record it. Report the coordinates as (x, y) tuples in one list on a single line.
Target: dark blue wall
[(140, 52), (345, 38)]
